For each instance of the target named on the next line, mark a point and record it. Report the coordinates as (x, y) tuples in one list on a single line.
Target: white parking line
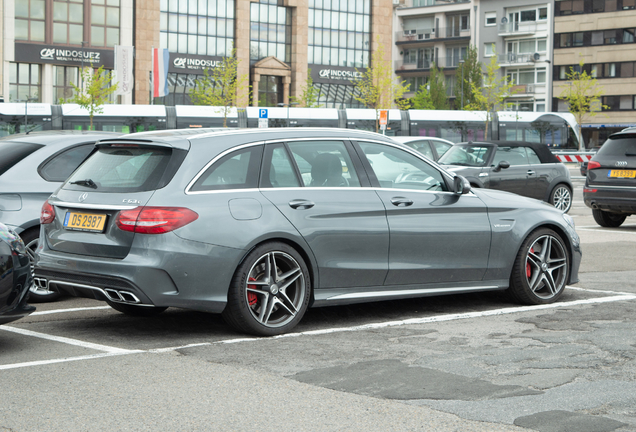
[(113, 351), (66, 340), (55, 311)]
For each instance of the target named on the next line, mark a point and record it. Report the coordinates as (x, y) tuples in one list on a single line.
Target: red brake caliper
[(251, 297), (528, 268)]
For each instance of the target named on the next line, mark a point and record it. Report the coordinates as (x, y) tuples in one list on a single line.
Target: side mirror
[(461, 186), (502, 165)]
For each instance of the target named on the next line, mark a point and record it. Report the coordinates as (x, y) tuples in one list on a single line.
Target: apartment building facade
[(601, 34), (519, 33), (428, 32), (47, 42)]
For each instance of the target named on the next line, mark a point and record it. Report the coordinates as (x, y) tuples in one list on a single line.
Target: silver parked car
[(524, 168), (431, 147), (32, 166), (259, 225)]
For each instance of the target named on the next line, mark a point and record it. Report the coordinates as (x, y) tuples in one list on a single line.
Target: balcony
[(520, 59), (426, 3), (425, 64), (522, 28), (527, 89), (431, 34)]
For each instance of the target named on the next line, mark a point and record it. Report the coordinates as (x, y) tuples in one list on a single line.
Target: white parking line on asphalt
[(113, 351), (605, 230), (70, 310)]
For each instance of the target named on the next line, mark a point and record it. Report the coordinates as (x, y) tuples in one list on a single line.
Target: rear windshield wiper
[(86, 182)]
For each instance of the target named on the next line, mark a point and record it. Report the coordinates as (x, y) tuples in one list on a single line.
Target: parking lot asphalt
[(455, 363)]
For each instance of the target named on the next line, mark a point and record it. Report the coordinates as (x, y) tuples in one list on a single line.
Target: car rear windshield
[(467, 155), (13, 152), (121, 169), (622, 145)]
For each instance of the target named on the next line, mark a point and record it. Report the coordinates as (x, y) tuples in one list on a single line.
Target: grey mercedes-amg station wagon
[(259, 225)]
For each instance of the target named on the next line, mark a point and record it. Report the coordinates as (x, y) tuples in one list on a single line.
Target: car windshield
[(467, 155), (624, 145)]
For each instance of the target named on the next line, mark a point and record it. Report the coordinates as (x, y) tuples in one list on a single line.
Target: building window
[(337, 96), (29, 20), (197, 27), (455, 55), (68, 19), (24, 82), (339, 32), (489, 49), (105, 22), (63, 77), (491, 19), (270, 33)]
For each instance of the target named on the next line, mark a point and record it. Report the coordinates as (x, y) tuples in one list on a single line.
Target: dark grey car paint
[(478, 238)]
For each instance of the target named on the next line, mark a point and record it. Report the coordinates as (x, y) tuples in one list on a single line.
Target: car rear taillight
[(593, 165), (47, 215), (586, 190), (154, 220)]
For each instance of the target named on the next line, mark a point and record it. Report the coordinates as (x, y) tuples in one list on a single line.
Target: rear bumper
[(192, 275), (608, 201)]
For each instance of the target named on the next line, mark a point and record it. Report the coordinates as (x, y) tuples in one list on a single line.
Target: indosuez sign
[(335, 74), (180, 63), (63, 55)]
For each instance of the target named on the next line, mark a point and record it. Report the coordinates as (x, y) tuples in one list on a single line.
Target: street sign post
[(384, 116), (263, 122)]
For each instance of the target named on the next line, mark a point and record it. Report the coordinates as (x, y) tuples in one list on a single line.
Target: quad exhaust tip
[(110, 293)]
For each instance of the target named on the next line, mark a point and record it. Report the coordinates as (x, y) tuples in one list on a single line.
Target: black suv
[(610, 185)]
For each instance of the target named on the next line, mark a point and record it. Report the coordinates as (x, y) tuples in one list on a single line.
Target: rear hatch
[(112, 184), (617, 160)]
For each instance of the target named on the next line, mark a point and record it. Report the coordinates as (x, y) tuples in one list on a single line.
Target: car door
[(436, 236), (319, 189), (539, 176), (514, 178)]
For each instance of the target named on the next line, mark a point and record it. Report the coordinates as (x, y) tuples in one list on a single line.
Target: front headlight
[(568, 219)]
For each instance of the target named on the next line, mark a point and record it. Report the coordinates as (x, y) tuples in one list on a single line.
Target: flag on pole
[(123, 69), (160, 62)]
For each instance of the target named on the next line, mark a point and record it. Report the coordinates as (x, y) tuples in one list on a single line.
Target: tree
[(471, 72), (432, 96), (95, 91), (376, 87), (582, 96), (308, 97), (220, 86), (491, 94)]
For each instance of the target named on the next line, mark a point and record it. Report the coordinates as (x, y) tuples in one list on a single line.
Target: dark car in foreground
[(15, 277), (524, 168), (259, 225), (610, 184), (32, 166)]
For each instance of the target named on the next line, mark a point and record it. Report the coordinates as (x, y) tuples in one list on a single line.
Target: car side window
[(62, 165), (532, 156), (236, 170), (398, 169), (422, 147), (278, 169), (324, 164), (512, 155), (441, 147)]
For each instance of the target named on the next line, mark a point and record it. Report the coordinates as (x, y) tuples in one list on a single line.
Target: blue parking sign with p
[(262, 113)]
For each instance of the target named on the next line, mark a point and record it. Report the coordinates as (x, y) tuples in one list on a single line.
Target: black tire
[(541, 269), (561, 197), (31, 239), (138, 311), (608, 219), (269, 292)]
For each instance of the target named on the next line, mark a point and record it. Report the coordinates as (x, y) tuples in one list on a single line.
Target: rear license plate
[(85, 221), (622, 173)]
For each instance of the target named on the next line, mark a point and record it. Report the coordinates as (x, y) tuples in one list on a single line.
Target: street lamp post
[(26, 118), (461, 62)]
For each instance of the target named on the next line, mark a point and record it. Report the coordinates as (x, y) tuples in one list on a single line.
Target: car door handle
[(401, 202), (301, 204), (530, 172)]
